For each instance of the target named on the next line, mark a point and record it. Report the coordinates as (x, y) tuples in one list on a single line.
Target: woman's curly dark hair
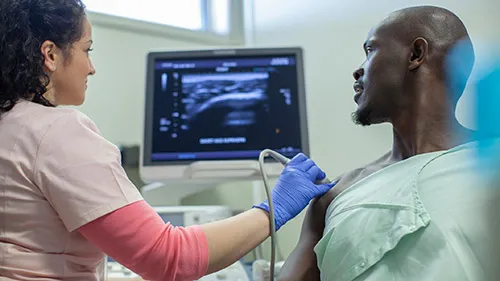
[(24, 26)]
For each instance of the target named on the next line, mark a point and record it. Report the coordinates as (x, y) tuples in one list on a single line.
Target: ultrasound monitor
[(210, 113)]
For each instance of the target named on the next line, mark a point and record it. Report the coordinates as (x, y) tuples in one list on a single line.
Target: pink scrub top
[(57, 173)]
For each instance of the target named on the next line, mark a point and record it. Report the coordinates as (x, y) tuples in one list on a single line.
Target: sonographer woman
[(64, 198)]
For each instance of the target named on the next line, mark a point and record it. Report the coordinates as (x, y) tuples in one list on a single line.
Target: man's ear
[(51, 55), (418, 53)]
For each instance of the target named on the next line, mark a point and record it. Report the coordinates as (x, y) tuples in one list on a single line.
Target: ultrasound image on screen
[(206, 110), (224, 101)]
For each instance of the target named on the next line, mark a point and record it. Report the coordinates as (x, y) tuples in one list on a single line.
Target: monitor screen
[(224, 105)]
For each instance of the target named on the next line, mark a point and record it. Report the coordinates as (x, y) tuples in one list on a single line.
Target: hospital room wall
[(332, 33)]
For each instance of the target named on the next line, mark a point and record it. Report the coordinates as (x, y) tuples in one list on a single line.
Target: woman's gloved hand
[(295, 189)]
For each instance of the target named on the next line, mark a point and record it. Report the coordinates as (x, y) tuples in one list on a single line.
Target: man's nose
[(358, 73)]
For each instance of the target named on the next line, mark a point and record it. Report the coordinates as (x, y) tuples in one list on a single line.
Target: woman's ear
[(419, 52), (51, 55)]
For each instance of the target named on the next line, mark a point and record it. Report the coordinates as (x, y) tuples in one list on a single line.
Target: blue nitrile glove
[(295, 189)]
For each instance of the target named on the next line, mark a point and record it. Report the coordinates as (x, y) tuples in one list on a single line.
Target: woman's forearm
[(161, 252), (231, 239)]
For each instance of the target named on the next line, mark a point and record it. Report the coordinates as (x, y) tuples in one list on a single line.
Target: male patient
[(416, 212)]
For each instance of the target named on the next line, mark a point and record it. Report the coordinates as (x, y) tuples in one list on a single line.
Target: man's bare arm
[(301, 264)]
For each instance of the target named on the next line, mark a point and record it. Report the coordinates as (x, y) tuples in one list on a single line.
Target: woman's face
[(68, 73)]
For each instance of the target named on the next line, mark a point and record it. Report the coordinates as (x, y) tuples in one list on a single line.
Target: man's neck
[(428, 127), (423, 139)]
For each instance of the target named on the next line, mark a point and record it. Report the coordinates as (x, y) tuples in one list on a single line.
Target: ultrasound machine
[(208, 116)]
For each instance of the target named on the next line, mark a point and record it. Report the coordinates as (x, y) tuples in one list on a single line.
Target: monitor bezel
[(152, 57)]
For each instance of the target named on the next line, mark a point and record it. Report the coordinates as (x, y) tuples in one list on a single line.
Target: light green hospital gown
[(425, 218)]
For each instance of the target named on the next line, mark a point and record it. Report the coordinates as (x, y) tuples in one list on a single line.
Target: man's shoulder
[(347, 179)]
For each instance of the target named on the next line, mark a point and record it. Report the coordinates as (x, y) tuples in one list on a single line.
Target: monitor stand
[(205, 175), (222, 171), (171, 194)]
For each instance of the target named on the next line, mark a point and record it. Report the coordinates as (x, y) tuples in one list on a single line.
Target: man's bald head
[(438, 25), (442, 30), (407, 51)]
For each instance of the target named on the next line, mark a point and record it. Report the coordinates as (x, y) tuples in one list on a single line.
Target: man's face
[(380, 79)]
